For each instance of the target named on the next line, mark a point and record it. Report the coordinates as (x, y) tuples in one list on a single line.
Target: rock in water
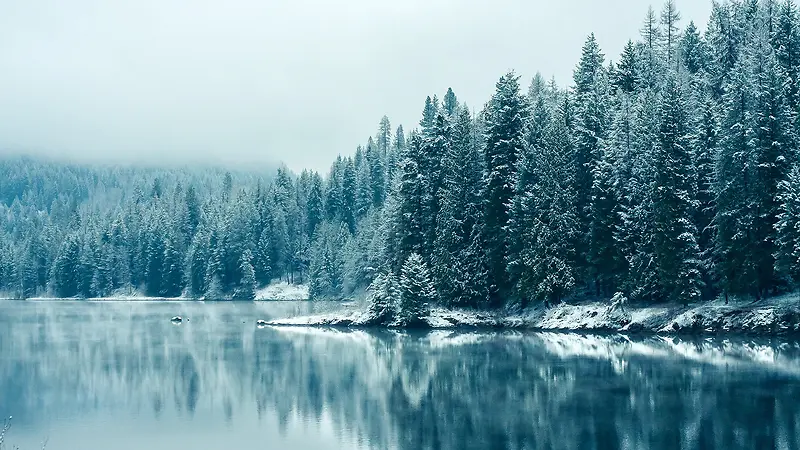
[(261, 323), (176, 319)]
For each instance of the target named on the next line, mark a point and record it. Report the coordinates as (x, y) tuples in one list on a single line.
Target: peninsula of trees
[(669, 174)]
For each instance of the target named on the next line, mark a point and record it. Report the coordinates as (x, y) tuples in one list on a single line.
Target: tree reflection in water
[(395, 390)]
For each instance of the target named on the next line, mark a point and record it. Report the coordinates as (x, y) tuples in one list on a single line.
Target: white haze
[(255, 82)]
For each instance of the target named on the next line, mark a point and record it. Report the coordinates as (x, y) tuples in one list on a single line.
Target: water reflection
[(437, 390)]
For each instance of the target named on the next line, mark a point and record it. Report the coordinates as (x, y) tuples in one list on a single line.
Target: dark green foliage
[(505, 140), (417, 293)]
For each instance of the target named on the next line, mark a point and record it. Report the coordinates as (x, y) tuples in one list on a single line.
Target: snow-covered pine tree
[(627, 73), (428, 115), (505, 140), (635, 234), (786, 42), (172, 271), (154, 262), (675, 236), (197, 262), (247, 285), (363, 194), (383, 296), (435, 147), (417, 293), (543, 223), (450, 102), (408, 223), (457, 259), (348, 210), (315, 209), (693, 50), (377, 174), (734, 178), (103, 279), (384, 137), (704, 148), (262, 263), (787, 242), (591, 127), (776, 151)]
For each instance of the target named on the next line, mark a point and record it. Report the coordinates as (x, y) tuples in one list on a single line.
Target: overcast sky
[(259, 81)]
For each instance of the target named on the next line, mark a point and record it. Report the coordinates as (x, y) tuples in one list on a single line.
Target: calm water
[(121, 376)]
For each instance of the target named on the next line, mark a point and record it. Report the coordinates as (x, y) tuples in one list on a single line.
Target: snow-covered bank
[(283, 291), (769, 317)]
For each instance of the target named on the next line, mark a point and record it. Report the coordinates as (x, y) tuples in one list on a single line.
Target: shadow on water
[(438, 390)]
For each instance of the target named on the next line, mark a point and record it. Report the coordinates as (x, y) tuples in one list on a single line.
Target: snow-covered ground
[(780, 315), (279, 290)]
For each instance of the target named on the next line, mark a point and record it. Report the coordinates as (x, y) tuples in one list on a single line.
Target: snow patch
[(283, 291)]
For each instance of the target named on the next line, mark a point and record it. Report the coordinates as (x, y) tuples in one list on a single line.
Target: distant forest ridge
[(671, 174)]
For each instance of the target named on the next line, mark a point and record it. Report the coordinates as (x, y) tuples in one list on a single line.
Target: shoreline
[(772, 317)]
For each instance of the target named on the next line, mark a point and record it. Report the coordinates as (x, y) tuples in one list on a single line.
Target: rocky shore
[(778, 316)]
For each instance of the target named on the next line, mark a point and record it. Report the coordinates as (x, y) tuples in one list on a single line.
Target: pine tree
[(604, 256), (103, 279), (172, 271), (450, 103), (262, 263), (384, 137), (416, 293), (314, 205), (154, 263), (693, 50), (377, 176), (383, 296), (349, 195), (408, 223), (457, 257), (787, 255), (543, 223), (786, 42), (65, 269), (193, 212), (669, 19), (428, 115), (704, 148), (675, 239), (627, 73), (636, 166), (774, 153), (363, 195), (247, 285), (327, 265), (196, 263), (334, 201), (505, 139), (435, 147), (591, 122), (651, 37)]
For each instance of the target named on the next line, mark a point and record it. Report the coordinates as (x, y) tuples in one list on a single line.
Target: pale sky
[(261, 81)]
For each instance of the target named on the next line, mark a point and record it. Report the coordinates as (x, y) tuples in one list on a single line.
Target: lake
[(121, 376)]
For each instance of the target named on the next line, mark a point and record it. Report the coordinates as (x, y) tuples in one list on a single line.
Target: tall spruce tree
[(417, 293), (505, 139), (675, 236), (458, 260)]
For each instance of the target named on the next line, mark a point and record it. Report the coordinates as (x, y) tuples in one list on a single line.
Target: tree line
[(670, 174)]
